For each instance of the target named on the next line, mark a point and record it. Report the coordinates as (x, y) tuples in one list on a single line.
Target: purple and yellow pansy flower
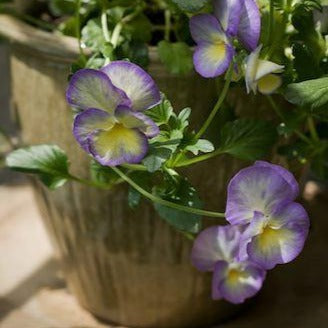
[(111, 125), (213, 34), (261, 74), (261, 199), (217, 249)]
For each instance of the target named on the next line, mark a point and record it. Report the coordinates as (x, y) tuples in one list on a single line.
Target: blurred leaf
[(190, 5), (311, 93), (183, 193), (102, 175), (92, 35), (156, 157), (177, 57), (161, 113), (247, 139), (48, 161), (202, 145)]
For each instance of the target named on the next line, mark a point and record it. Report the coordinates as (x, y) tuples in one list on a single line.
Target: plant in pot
[(139, 203)]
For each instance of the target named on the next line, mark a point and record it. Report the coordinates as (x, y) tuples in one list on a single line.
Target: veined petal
[(291, 214), (282, 240), (88, 122), (288, 176), (228, 13), (135, 82), (265, 67), (251, 69), (206, 28), (214, 244), (250, 25), (254, 228), (89, 88), (256, 189), (138, 120), (118, 145), (236, 283), (212, 59)]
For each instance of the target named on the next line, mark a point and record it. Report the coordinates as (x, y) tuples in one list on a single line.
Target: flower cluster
[(214, 35), (111, 125), (266, 228)]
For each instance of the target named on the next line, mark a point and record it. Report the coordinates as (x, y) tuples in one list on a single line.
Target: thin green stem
[(134, 167), (104, 26), (167, 30), (78, 28), (281, 115), (200, 158), (116, 34), (218, 104), (271, 22), (164, 202), (313, 130)]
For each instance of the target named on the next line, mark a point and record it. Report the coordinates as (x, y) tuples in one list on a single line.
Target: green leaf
[(139, 29), (92, 35), (177, 57), (247, 139), (161, 113), (183, 193), (190, 5), (48, 161), (156, 157), (311, 93), (201, 145), (102, 175), (62, 7), (142, 179)]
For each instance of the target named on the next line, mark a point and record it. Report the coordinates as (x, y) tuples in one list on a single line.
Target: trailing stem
[(164, 202)]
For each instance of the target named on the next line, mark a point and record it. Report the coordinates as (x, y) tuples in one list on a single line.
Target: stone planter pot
[(125, 266)]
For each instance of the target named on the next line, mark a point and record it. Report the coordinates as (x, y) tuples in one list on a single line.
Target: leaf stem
[(200, 158), (167, 30), (104, 25), (218, 103), (313, 130), (281, 115), (78, 28), (164, 202)]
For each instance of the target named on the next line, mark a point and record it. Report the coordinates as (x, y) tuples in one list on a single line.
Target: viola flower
[(261, 199), (213, 34), (216, 249), (261, 74), (112, 126)]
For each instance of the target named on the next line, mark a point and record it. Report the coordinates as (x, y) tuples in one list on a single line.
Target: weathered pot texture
[(125, 266)]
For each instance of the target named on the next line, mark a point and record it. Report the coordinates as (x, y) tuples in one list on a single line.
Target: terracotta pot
[(126, 266)]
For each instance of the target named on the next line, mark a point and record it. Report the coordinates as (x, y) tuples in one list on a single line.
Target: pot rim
[(47, 44)]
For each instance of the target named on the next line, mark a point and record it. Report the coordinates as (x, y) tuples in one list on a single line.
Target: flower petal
[(250, 25), (118, 145), (131, 119), (212, 59), (288, 176), (228, 12), (268, 84), (256, 189), (206, 28), (251, 69), (214, 244), (89, 121), (265, 67), (283, 239), (135, 82), (89, 88), (236, 283)]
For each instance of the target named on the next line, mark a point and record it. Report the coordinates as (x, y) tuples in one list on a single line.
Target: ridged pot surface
[(126, 266)]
